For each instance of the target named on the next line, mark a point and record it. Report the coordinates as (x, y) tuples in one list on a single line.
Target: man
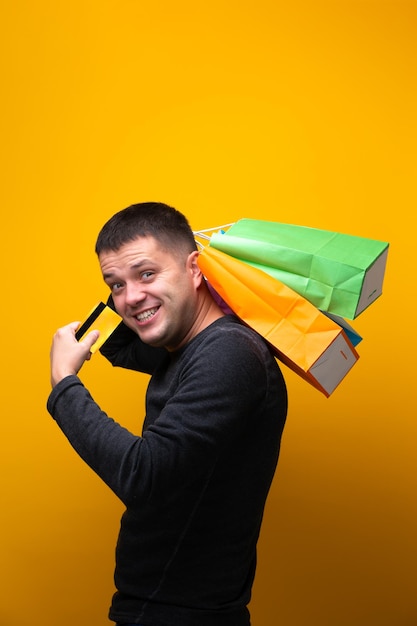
[(195, 483)]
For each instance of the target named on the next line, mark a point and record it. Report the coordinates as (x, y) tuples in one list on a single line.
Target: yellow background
[(298, 111)]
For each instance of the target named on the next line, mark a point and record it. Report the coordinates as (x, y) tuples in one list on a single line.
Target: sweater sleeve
[(210, 399), (106, 446), (124, 349)]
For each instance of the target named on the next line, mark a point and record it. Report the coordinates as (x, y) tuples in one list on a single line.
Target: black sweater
[(195, 483)]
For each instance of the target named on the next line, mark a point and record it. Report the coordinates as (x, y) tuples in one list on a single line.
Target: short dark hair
[(155, 219)]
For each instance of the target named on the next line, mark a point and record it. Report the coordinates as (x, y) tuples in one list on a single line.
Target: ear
[(194, 268)]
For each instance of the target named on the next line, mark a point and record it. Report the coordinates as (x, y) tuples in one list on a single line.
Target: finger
[(90, 339)]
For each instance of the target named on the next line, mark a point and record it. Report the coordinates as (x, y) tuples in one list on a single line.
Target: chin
[(155, 342)]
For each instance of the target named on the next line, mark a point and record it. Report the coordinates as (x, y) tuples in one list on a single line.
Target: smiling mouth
[(146, 315)]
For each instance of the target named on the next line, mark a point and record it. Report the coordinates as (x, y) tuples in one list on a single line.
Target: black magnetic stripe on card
[(90, 320)]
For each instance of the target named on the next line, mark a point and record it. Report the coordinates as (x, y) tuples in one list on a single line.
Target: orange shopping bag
[(307, 341)]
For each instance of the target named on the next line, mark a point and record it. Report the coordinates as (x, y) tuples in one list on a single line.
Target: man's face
[(154, 291)]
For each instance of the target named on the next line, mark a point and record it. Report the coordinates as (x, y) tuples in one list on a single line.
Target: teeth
[(142, 317)]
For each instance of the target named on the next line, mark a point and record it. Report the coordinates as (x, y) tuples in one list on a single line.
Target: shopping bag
[(339, 273), (351, 333), (307, 341)]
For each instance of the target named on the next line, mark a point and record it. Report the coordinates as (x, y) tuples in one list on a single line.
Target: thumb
[(90, 339)]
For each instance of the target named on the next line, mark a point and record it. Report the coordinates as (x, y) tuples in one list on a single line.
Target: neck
[(210, 311)]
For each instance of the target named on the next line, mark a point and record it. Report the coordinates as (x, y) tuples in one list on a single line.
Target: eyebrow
[(135, 266)]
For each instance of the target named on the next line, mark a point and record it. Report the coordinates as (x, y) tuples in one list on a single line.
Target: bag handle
[(206, 233)]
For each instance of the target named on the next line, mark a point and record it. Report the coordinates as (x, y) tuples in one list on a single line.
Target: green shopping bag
[(338, 273)]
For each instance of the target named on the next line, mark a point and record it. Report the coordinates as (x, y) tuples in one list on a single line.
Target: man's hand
[(68, 354)]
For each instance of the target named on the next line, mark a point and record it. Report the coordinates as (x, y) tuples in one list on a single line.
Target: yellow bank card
[(101, 318)]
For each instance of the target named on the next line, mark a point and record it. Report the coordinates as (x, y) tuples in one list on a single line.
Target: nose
[(134, 294)]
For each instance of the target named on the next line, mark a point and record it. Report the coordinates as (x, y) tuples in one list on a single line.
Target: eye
[(147, 275), (115, 287)]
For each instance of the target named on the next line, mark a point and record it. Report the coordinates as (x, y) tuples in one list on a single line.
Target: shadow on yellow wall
[(301, 112)]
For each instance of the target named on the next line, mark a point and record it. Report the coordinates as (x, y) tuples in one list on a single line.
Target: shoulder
[(230, 332), (228, 346)]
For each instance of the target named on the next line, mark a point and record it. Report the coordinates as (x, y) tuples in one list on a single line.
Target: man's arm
[(209, 408)]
